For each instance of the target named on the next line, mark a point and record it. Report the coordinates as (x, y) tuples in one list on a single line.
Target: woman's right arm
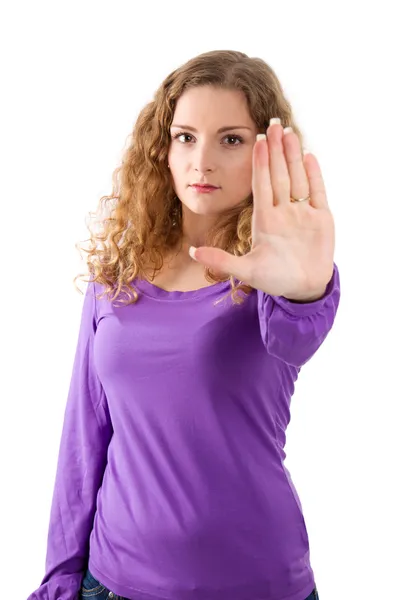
[(82, 459)]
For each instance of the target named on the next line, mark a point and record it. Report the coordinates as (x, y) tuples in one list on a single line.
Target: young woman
[(171, 481)]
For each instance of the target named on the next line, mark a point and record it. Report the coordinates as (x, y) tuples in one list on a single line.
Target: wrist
[(306, 299)]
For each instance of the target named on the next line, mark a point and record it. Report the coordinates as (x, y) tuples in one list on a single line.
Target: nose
[(203, 161), (202, 169)]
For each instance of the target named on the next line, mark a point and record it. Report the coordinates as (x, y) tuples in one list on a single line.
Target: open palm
[(292, 243)]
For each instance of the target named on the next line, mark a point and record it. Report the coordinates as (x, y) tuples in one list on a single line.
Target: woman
[(171, 481)]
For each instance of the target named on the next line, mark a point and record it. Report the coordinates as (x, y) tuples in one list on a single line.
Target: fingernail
[(192, 250), (287, 130), (261, 136), (275, 121)]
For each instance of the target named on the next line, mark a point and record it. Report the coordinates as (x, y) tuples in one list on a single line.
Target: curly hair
[(144, 219)]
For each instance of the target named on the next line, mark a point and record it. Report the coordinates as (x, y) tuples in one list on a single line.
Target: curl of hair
[(144, 221)]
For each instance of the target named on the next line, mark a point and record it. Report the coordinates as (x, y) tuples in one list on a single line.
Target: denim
[(92, 588)]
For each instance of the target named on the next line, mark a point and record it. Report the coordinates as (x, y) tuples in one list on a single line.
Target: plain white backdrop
[(74, 78)]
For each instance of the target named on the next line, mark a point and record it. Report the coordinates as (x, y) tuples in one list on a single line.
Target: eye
[(231, 136), (177, 135), (237, 138)]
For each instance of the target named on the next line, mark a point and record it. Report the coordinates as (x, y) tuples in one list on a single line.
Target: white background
[(74, 78)]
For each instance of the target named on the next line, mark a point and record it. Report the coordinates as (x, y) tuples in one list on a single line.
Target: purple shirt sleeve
[(86, 434), (293, 332)]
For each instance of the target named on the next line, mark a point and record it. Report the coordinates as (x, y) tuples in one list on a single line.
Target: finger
[(299, 184), (221, 262), (317, 186), (277, 162), (261, 179)]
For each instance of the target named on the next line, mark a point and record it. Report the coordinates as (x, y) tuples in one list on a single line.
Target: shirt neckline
[(150, 289)]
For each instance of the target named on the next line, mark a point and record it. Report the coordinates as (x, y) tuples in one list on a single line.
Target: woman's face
[(200, 153)]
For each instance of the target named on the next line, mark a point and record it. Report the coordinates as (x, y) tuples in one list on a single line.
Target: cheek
[(242, 162), (242, 172)]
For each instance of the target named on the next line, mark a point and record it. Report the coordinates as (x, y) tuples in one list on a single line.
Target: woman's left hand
[(293, 243)]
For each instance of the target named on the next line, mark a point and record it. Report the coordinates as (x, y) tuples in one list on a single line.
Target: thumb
[(218, 260)]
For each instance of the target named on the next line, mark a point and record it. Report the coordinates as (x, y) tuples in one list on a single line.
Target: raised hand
[(292, 242)]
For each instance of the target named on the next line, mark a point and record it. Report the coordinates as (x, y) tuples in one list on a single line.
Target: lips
[(204, 186), (204, 189)]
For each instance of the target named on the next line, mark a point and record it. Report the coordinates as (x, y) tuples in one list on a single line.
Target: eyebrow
[(220, 130)]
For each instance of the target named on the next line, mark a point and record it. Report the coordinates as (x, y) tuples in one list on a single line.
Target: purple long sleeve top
[(171, 482)]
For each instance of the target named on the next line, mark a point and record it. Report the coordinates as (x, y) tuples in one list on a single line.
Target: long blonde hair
[(144, 221)]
